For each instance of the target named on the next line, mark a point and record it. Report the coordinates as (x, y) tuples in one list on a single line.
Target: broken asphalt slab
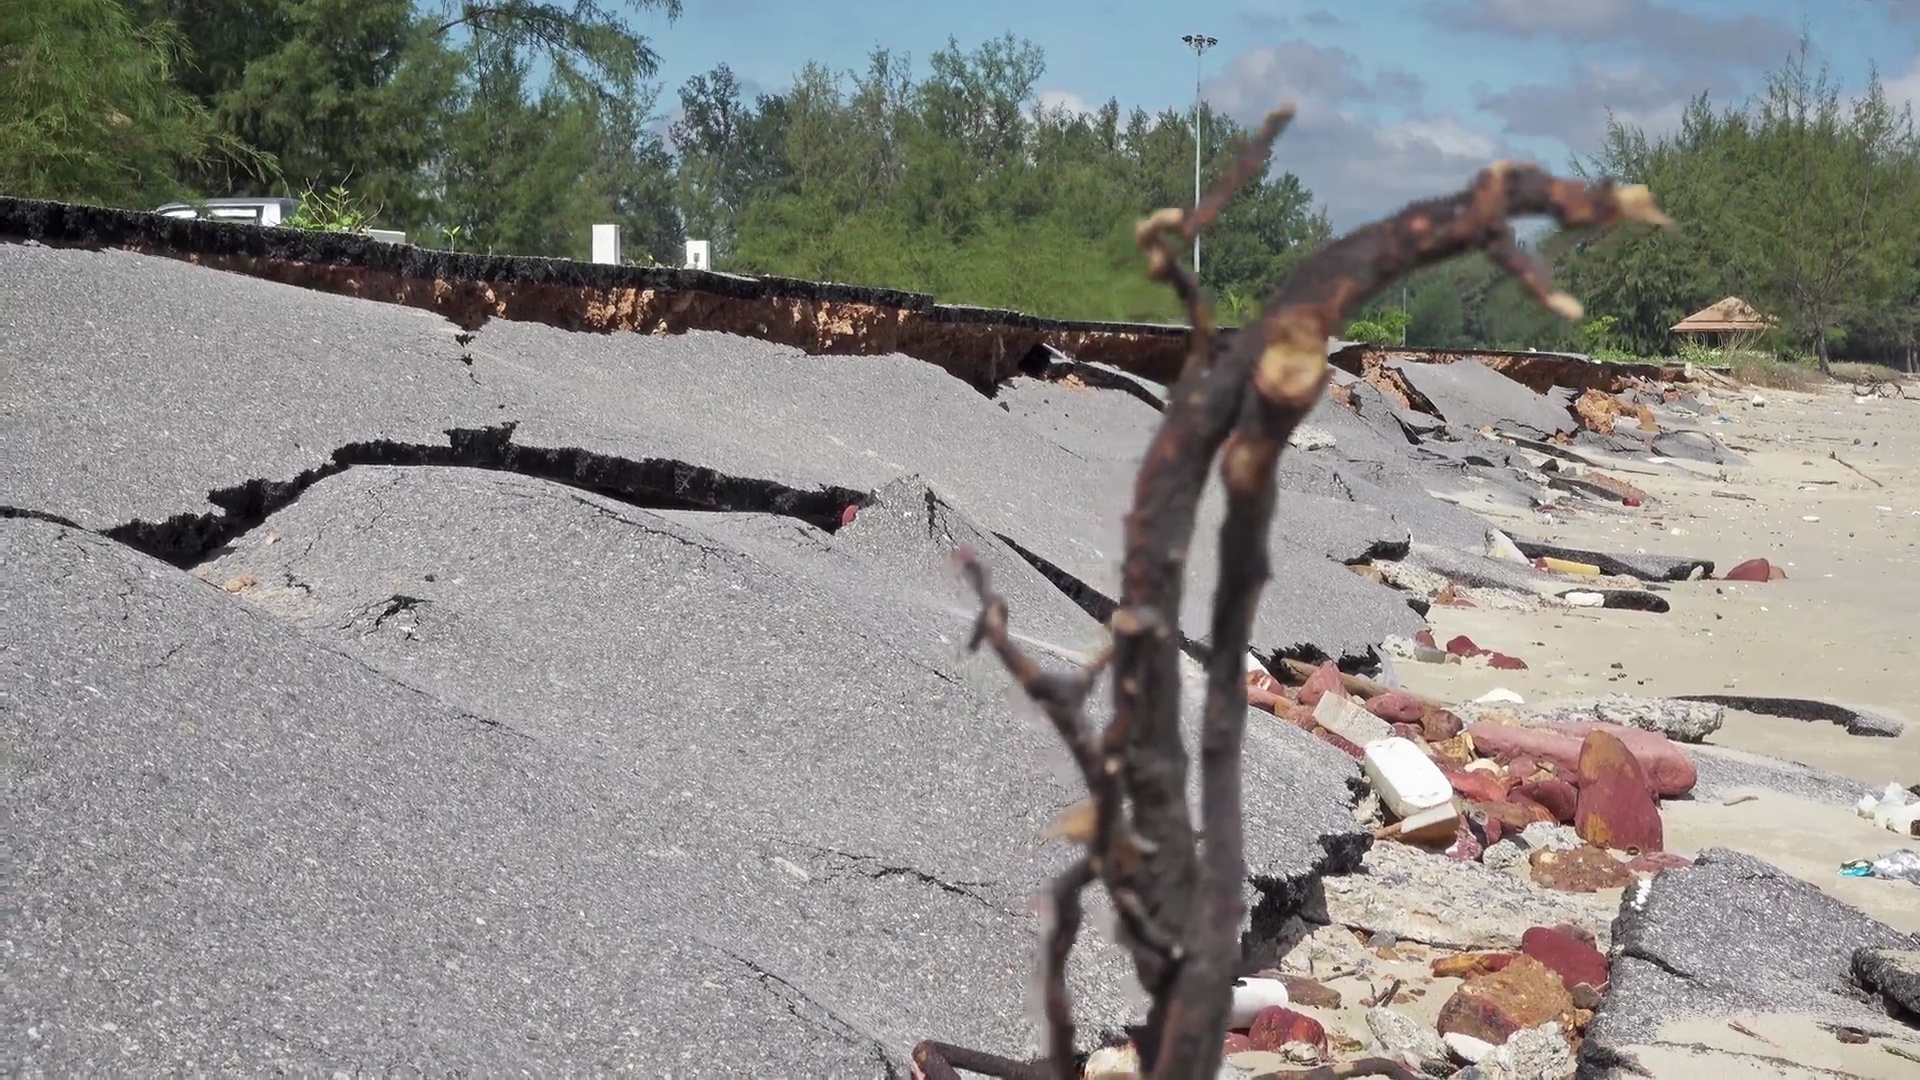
[(235, 845), (1730, 939), (783, 656), (1469, 394), (697, 420), (1644, 567), (1427, 897), (1853, 721), (826, 786)]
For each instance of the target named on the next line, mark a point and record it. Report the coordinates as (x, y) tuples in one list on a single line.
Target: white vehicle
[(253, 211), (266, 211)]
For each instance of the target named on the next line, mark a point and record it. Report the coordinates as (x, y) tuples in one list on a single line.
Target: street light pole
[(1199, 43)]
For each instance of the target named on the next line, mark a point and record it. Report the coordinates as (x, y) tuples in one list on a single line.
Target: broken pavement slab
[(1854, 721), (1470, 395), (1895, 973), (697, 420), (775, 634), (1645, 567), (1732, 939), (496, 901)]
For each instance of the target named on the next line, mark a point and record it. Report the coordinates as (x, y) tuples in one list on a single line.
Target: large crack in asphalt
[(185, 539)]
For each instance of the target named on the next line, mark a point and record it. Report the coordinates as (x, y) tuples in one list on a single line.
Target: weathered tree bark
[(1179, 899)]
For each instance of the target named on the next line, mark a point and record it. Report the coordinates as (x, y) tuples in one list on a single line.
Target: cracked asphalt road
[(477, 751)]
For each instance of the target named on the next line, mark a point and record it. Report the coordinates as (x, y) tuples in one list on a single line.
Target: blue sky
[(1398, 99)]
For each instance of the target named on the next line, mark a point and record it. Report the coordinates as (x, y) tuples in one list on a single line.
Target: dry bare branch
[(1181, 903)]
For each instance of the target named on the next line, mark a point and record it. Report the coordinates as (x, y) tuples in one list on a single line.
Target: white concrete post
[(606, 244)]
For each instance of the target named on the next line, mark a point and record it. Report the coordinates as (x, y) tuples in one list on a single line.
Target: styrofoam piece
[(1251, 994), (1500, 695), (1501, 546), (1407, 779), (1344, 717)]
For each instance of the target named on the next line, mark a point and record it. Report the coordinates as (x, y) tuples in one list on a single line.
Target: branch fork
[(1179, 900)]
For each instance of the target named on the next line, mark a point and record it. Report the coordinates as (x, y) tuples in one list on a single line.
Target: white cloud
[(1904, 88), (1575, 111), (1360, 166), (1071, 101), (1642, 26)]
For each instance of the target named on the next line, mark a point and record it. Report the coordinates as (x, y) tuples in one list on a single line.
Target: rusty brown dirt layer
[(1540, 372), (982, 353), (982, 346)]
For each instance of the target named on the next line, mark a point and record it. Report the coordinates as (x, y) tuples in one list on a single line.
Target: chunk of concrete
[(1469, 394), (1731, 937), (1420, 896)]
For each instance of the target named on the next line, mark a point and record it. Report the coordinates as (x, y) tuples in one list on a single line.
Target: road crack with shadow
[(186, 539)]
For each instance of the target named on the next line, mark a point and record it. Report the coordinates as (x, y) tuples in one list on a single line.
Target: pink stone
[(1573, 960), (1397, 707), (1558, 744), (1668, 767), (1276, 1025), (1324, 680), (1476, 785), (1617, 810), (1558, 796)]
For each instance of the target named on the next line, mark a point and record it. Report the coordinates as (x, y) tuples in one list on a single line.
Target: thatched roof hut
[(1731, 318)]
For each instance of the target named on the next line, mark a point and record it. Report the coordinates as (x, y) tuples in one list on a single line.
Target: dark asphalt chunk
[(237, 847), (742, 683), (1854, 721), (1471, 395), (1731, 936)]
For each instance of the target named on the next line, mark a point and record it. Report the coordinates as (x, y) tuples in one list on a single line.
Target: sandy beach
[(1841, 626)]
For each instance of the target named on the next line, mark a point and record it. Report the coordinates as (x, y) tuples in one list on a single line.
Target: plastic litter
[(1896, 809), (1501, 546), (1568, 566), (1902, 865), (1251, 993), (1406, 778)]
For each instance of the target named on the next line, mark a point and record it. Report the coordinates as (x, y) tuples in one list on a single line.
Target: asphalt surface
[(181, 384), (1471, 395), (527, 700), (1727, 937)]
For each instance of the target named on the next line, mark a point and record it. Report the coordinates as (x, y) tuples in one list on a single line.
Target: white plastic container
[(1407, 780), (1252, 993)]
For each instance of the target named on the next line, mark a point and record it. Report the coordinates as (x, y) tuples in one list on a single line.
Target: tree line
[(510, 126)]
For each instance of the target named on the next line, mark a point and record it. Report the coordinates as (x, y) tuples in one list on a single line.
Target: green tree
[(1803, 202), (353, 93), (1829, 219), (528, 172), (1436, 317), (89, 110), (586, 40)]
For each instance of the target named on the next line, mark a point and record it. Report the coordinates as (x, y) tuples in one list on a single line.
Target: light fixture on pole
[(1199, 43)]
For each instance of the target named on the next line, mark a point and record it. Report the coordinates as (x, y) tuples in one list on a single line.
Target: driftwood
[(1180, 901)]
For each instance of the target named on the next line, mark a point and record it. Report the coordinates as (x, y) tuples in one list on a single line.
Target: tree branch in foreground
[(1181, 903)]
